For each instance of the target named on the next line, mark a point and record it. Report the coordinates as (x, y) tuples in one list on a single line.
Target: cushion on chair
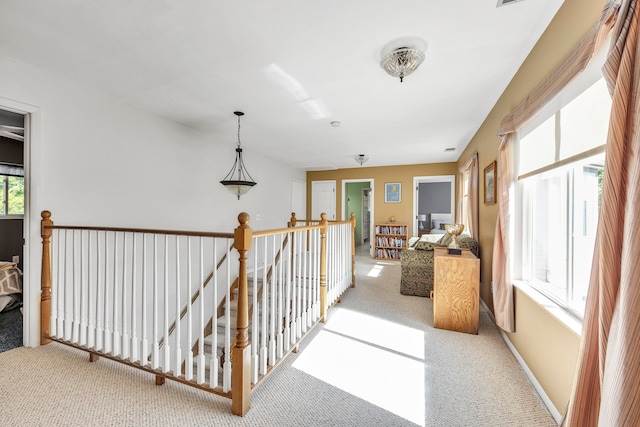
[(445, 239), (416, 264), (426, 246)]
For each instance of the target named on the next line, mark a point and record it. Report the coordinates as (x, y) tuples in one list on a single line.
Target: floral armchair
[(416, 277)]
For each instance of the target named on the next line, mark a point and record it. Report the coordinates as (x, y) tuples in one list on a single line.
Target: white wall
[(93, 160)]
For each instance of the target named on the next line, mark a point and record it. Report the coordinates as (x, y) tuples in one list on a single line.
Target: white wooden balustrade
[(188, 306)]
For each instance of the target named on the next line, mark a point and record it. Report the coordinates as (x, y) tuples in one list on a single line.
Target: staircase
[(287, 336)]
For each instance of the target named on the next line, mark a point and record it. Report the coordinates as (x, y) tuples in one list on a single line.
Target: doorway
[(433, 203), (358, 198), (12, 226)]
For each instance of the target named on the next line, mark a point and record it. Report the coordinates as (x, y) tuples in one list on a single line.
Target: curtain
[(607, 386), (502, 288), (563, 74), (470, 168)]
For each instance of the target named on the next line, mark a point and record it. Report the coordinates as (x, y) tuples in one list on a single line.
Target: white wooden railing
[(189, 306)]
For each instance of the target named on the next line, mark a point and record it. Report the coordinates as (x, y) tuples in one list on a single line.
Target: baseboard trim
[(532, 379)]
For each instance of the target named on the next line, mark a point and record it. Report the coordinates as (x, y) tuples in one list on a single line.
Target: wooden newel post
[(292, 236), (292, 221), (353, 249), (45, 279), (241, 359), (323, 266)]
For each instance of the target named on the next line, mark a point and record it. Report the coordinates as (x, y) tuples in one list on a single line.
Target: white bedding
[(431, 237), (438, 220), (10, 286)]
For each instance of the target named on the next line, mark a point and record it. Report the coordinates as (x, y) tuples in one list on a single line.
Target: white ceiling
[(292, 66)]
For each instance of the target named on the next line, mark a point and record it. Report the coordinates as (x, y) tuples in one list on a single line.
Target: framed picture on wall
[(392, 192), (490, 184)]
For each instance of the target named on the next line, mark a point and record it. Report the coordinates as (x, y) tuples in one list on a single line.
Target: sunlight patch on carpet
[(387, 379), (380, 332), (375, 270)]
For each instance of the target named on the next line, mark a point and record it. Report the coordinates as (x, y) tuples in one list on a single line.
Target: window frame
[(522, 261), (568, 175), (9, 170)]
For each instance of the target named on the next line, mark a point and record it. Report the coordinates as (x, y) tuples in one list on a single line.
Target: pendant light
[(238, 180)]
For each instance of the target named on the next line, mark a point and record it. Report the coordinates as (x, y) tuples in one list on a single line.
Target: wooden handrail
[(138, 230)]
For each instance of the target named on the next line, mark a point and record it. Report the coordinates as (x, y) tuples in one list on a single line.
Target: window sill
[(11, 217), (557, 311)]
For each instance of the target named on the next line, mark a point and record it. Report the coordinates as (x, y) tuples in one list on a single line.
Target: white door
[(323, 199)]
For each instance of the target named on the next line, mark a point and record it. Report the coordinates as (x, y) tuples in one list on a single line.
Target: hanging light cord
[(238, 131)]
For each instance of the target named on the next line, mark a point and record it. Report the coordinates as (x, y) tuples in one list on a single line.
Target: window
[(11, 190), (561, 211), (465, 201), (561, 164)]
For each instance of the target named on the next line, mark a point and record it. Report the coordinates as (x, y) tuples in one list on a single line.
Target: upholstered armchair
[(416, 277)]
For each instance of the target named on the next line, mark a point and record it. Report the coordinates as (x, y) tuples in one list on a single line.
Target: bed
[(10, 286), (438, 220)]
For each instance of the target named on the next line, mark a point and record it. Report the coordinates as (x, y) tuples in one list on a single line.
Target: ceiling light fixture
[(361, 158), (243, 181), (402, 61)]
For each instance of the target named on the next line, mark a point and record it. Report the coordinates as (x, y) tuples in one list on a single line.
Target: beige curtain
[(471, 168), (607, 387), (501, 273), (563, 74)]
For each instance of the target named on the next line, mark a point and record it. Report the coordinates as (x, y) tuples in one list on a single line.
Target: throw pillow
[(444, 240), (426, 246)]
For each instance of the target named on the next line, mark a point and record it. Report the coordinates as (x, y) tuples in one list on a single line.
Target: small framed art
[(392, 192), (490, 184)]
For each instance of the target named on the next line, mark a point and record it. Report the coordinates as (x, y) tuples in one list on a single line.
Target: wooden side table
[(456, 291), (425, 231)]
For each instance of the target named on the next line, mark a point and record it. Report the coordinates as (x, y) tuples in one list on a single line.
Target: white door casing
[(424, 179)]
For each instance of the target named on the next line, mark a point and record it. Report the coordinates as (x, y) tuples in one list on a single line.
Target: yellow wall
[(404, 174), (544, 343)]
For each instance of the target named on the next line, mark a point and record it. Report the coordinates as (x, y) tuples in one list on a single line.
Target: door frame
[(371, 204), (369, 192), (31, 271), (428, 179)]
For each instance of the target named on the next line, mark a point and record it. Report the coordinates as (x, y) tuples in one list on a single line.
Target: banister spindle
[(177, 369), (323, 266)]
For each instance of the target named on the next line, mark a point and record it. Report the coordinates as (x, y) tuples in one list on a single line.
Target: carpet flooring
[(10, 329), (377, 361)]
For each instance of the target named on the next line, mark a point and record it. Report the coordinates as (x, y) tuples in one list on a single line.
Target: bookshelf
[(390, 240)]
